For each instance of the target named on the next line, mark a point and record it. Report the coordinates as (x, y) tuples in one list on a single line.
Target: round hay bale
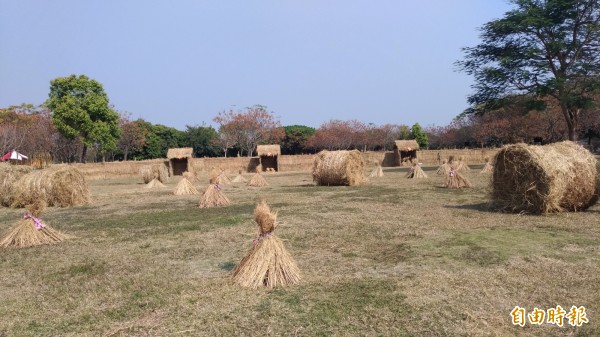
[(544, 179), (62, 187), (338, 168), (9, 175)]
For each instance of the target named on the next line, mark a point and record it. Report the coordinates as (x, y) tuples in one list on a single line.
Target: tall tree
[(540, 48), (81, 110), (296, 138), (256, 125), (133, 136), (419, 135), (202, 140)]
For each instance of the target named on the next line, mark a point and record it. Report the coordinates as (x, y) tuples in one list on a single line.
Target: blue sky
[(180, 62)]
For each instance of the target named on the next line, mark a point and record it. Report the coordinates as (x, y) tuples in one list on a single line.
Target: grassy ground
[(395, 257)]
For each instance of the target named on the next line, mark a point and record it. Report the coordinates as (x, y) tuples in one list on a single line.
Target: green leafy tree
[(540, 49), (296, 139), (202, 139), (80, 109), (417, 133)]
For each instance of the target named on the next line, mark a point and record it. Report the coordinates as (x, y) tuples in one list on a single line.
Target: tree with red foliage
[(254, 126)]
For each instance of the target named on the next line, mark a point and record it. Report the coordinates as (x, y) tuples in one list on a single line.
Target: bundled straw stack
[(544, 179), (191, 176), (31, 231), (155, 183), (338, 168), (58, 186), (267, 263), (487, 168), (416, 172), (185, 187), (377, 171), (462, 165), (213, 197), (9, 175), (258, 180), (220, 178), (444, 169), (158, 172), (455, 180), (239, 178)]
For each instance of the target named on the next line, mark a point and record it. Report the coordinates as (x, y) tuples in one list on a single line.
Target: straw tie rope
[(452, 172), (217, 187), (261, 235), (38, 223)]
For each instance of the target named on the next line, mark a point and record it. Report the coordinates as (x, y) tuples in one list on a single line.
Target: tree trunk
[(225, 152), (83, 153), (125, 153), (572, 119)]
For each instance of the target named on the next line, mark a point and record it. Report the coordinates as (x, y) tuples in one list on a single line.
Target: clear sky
[(180, 62)]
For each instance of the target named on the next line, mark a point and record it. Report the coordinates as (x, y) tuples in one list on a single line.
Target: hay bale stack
[(239, 178), (191, 176), (58, 186), (456, 180), (154, 183), (151, 172), (185, 187), (258, 180), (487, 168), (462, 166), (31, 231), (416, 172), (338, 168), (267, 263), (221, 179), (444, 169), (213, 197), (9, 175), (544, 179), (377, 171)]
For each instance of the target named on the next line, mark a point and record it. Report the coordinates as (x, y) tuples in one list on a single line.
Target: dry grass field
[(394, 257)]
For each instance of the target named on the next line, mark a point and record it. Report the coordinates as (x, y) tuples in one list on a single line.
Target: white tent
[(17, 156)]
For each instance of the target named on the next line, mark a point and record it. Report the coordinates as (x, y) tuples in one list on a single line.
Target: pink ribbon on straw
[(217, 187), (452, 172), (38, 223), (262, 235)]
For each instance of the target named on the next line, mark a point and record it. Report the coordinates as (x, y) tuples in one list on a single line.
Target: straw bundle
[(338, 168), (9, 175), (416, 172), (155, 183), (542, 179), (191, 176), (151, 172), (213, 197), (258, 180), (444, 169), (239, 178), (462, 165), (58, 186), (222, 179), (267, 263), (456, 180), (377, 172), (487, 168), (185, 187), (31, 231)]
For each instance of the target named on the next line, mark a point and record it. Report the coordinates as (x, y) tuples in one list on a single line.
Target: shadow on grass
[(481, 207), (227, 266)]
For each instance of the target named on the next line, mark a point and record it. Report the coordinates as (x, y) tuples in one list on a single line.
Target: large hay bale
[(157, 171), (338, 168), (543, 179), (9, 175), (62, 187)]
